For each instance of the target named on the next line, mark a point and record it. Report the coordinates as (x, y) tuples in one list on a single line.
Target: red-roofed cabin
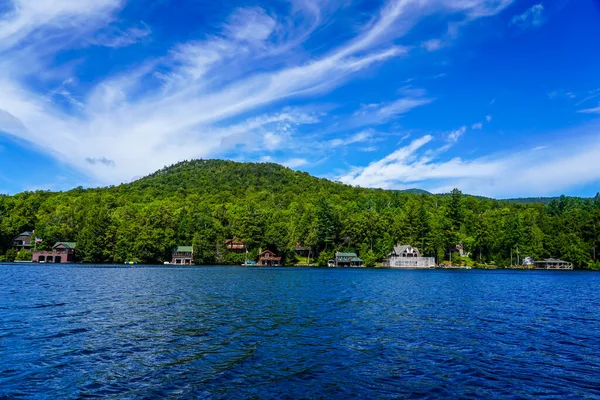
[(268, 259), (62, 252), (235, 245)]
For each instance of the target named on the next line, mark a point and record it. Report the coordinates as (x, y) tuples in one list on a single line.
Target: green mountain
[(416, 191), (205, 202)]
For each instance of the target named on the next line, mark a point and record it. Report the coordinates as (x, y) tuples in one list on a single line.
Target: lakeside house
[(23, 241), (552, 263), (406, 256), (183, 255), (346, 260), (268, 259), (301, 250), (61, 253), (235, 245), (528, 262)]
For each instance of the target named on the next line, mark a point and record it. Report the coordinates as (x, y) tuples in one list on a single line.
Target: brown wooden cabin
[(23, 241), (235, 245), (268, 259)]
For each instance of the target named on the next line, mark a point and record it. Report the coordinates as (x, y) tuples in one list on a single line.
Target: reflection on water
[(218, 332)]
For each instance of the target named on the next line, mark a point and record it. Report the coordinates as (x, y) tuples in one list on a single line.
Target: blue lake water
[(217, 332)]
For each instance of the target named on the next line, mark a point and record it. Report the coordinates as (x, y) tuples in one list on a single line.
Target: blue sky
[(496, 97)]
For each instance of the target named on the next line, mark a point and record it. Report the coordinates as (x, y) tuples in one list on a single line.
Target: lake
[(230, 332)]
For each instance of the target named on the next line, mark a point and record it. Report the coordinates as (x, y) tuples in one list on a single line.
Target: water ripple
[(142, 333)]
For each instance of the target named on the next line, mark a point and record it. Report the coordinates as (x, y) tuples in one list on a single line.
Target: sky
[(498, 98)]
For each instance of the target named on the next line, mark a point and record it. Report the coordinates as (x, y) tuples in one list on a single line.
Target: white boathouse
[(405, 256)]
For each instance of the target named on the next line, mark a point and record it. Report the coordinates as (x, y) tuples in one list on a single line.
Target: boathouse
[(235, 245), (347, 260), (406, 256), (552, 263), (23, 241), (183, 255), (269, 259), (61, 253)]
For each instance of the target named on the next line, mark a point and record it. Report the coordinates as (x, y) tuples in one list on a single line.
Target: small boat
[(130, 262), (249, 263)]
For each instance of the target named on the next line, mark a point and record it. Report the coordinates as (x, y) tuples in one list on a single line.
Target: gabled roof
[(69, 245), (401, 249), (184, 249), (266, 252), (356, 259), (551, 260), (340, 254), (26, 233)]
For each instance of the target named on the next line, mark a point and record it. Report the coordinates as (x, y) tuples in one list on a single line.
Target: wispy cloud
[(477, 126), (532, 18), (101, 160), (595, 110), (590, 95), (201, 98), (375, 114), (432, 44), (455, 135), (561, 94), (295, 162), (358, 137), (552, 169), (116, 37)]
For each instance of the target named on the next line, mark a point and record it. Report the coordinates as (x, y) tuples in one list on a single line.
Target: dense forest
[(205, 202)]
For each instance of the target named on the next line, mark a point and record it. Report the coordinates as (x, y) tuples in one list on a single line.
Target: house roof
[(340, 254), (70, 245), (184, 249), (26, 233), (401, 249), (551, 260), (356, 259), (266, 252)]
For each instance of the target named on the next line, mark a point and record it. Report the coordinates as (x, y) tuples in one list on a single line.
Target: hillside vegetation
[(205, 202)]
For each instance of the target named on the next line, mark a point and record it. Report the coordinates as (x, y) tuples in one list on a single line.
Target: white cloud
[(196, 100), (561, 94), (477, 126), (250, 25), (455, 135), (359, 137), (295, 162), (488, 118), (380, 113), (432, 44), (116, 37), (552, 169), (595, 110), (532, 18), (592, 94)]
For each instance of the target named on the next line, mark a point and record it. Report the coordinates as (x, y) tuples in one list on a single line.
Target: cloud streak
[(201, 98), (532, 18), (549, 170)]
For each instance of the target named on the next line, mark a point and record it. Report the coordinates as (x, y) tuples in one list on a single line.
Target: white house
[(406, 256)]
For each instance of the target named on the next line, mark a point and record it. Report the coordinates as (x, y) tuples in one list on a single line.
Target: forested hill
[(205, 202)]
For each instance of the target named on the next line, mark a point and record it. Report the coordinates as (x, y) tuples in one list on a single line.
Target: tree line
[(205, 202)]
